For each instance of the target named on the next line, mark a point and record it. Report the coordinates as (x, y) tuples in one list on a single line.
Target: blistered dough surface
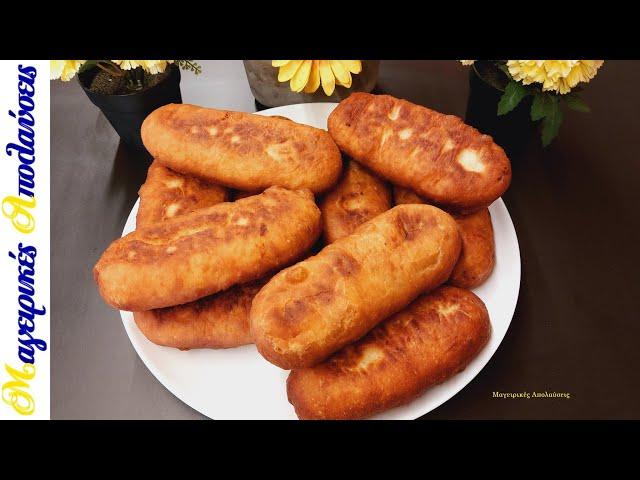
[(438, 156)]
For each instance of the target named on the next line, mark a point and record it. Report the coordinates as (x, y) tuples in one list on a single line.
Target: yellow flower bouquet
[(122, 76), (126, 91), (552, 85), (282, 82), (307, 75)]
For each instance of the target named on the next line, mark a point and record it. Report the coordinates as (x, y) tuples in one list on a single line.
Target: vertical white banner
[(24, 239)]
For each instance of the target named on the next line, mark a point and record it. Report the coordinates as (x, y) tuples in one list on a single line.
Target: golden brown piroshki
[(217, 321), (241, 150), (438, 156), (315, 307), (167, 194), (359, 196), (432, 339), (478, 250), (207, 251), (477, 258)]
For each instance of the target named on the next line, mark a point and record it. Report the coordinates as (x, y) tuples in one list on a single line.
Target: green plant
[(546, 107), (551, 83), (189, 65), (133, 71)]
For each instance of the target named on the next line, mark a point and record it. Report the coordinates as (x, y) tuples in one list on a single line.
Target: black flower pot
[(127, 112), (511, 131)]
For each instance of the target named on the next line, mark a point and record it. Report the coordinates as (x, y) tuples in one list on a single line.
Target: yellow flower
[(555, 75), (151, 66), (64, 69), (154, 66), (307, 75), (128, 64)]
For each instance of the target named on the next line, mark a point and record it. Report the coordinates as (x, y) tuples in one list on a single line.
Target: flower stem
[(110, 67)]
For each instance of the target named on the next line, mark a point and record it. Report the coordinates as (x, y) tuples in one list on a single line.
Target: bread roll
[(477, 258), (478, 255), (423, 345), (438, 156), (217, 321), (240, 150), (167, 194), (207, 251), (315, 307), (359, 196)]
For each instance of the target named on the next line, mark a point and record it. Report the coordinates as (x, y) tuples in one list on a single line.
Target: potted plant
[(508, 97), (283, 82), (126, 91)]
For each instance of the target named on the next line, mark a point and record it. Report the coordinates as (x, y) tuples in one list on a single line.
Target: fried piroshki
[(217, 321), (428, 342), (315, 307), (448, 163), (477, 257), (241, 150), (359, 196), (167, 194), (207, 251)]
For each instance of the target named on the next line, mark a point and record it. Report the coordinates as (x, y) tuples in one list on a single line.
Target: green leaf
[(541, 106), (189, 65), (576, 103), (551, 122), (512, 96)]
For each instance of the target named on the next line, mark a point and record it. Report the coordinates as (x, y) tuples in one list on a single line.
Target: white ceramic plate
[(239, 384)]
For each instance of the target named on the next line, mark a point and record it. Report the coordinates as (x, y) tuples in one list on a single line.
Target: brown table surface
[(574, 205)]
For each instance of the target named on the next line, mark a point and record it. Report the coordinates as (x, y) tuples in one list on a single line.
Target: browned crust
[(167, 194), (241, 150), (207, 251), (477, 258), (359, 196), (478, 250), (423, 345), (418, 148), (217, 321), (402, 196), (310, 310)]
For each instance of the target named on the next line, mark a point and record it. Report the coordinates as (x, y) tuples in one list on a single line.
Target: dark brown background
[(574, 206)]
